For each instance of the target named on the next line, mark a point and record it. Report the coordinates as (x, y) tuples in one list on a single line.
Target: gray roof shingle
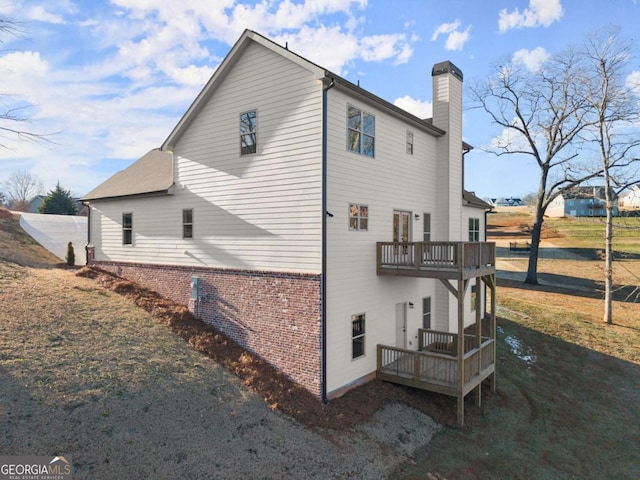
[(152, 173)]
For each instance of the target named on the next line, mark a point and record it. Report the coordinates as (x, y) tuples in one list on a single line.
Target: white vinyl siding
[(260, 211), (390, 181)]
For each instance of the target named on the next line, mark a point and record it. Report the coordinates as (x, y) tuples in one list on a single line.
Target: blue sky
[(112, 78)]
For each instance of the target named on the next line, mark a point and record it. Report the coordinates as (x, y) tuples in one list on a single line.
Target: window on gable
[(127, 228), (426, 227), (409, 142), (361, 132), (358, 217), (474, 229), (426, 312), (357, 335), (248, 132), (187, 223)]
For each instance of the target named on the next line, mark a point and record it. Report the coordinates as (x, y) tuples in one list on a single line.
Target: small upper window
[(426, 227), (127, 228), (361, 132), (474, 229), (358, 217), (248, 132), (187, 223), (426, 313), (409, 142)]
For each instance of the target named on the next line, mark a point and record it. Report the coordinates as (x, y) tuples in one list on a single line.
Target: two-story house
[(316, 224), (581, 202)]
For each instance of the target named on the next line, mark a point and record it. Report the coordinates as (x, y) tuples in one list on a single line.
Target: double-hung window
[(187, 223), (409, 142), (361, 132), (357, 335), (474, 229), (127, 228), (248, 132), (358, 217)]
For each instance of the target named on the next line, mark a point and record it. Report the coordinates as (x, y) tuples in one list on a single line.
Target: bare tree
[(13, 113), (542, 114), (616, 111), (21, 187)]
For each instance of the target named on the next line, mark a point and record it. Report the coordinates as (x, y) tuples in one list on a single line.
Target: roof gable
[(222, 71), (153, 173)]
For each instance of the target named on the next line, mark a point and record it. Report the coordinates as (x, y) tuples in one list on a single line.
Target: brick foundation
[(274, 315)]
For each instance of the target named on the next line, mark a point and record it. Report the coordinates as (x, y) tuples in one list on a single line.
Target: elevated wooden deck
[(437, 367), (444, 260)]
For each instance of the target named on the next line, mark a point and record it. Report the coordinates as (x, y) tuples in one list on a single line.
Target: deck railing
[(445, 342), (435, 369), (456, 256)]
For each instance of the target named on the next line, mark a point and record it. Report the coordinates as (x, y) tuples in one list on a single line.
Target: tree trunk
[(536, 232), (532, 269), (608, 256)]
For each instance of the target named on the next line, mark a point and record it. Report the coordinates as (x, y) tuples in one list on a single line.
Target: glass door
[(402, 234)]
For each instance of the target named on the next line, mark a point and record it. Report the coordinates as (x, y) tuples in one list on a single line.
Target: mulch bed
[(278, 391)]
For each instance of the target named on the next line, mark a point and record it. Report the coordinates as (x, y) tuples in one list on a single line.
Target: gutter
[(328, 84), (86, 247)]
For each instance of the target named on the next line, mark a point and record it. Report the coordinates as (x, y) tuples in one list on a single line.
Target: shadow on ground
[(561, 411)]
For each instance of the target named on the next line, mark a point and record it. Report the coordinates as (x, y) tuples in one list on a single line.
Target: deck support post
[(461, 375), (490, 280)]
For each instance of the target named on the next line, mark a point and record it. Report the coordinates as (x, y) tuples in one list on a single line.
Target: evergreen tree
[(71, 256), (58, 201)]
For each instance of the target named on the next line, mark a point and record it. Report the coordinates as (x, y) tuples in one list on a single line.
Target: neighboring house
[(631, 198), (580, 202), (316, 224), (34, 203), (506, 202)]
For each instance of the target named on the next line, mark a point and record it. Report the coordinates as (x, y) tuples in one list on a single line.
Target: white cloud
[(376, 48), (456, 38), (445, 29), (39, 14), (416, 107), (633, 82), (540, 13), (509, 139), (531, 59)]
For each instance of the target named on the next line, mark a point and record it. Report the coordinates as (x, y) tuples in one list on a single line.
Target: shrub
[(71, 256)]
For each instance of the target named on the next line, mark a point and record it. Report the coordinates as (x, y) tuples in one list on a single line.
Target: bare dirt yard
[(98, 369), (87, 374)]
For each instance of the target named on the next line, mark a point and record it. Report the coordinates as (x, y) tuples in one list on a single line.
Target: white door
[(401, 325)]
